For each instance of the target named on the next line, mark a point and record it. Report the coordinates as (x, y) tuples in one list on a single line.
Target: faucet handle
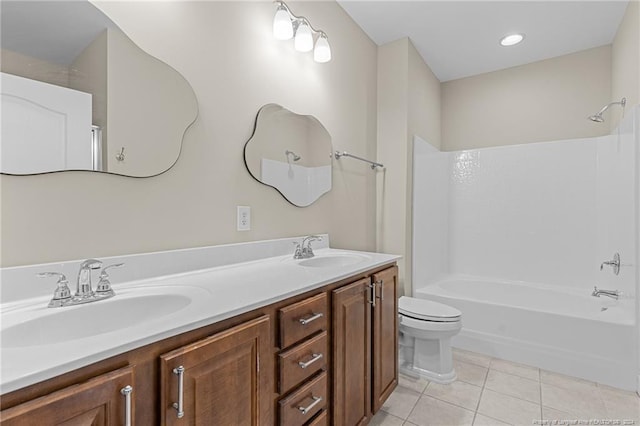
[(615, 263), (115, 265), (91, 264), (104, 285), (62, 293), (297, 254)]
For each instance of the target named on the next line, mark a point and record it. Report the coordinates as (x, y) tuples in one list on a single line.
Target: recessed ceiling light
[(511, 39)]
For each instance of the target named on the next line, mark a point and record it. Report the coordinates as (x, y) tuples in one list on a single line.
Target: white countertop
[(218, 293)]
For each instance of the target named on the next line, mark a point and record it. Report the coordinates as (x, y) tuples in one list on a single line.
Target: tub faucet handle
[(615, 263)]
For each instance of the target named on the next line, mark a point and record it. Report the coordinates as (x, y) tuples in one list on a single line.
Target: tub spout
[(609, 293)]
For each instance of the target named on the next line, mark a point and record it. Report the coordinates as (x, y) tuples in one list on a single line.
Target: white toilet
[(426, 329)]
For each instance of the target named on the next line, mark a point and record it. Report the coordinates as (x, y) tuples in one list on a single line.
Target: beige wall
[(227, 53), (625, 62), (149, 107), (424, 101), (542, 101), (90, 75), (393, 73), (408, 105), (36, 69)]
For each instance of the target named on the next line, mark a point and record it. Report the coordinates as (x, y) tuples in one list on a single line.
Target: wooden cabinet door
[(385, 336), (352, 354), (96, 402), (227, 378)]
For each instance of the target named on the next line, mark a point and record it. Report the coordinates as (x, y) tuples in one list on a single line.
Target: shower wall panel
[(430, 211), (524, 212), (546, 212)]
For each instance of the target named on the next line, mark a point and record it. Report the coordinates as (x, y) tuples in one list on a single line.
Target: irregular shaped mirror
[(291, 153), (78, 94)]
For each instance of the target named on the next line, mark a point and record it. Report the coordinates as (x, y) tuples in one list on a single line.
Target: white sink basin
[(333, 260), (39, 325)]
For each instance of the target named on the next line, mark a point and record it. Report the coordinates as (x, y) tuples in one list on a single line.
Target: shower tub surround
[(514, 237), (226, 280)]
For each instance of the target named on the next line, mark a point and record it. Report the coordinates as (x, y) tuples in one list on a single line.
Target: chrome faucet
[(83, 287), (609, 293), (305, 252), (84, 290)]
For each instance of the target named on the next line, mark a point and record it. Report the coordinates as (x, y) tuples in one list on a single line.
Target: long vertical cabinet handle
[(372, 286), (179, 406), (126, 392), (381, 284)]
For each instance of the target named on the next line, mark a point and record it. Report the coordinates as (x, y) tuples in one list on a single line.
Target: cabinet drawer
[(299, 407), (321, 419), (302, 361), (302, 319)]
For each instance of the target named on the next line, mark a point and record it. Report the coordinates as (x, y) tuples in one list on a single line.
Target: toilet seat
[(427, 310)]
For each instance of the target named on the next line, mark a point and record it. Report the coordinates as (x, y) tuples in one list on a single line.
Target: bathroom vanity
[(321, 348)]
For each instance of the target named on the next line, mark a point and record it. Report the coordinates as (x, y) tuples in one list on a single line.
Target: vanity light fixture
[(511, 39), (304, 39), (282, 26), (286, 25)]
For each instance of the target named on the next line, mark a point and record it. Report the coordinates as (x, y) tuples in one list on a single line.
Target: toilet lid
[(427, 310)]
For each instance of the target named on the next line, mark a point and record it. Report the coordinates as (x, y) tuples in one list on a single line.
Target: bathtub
[(565, 330)]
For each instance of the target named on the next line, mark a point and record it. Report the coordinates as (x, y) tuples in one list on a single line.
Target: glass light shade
[(304, 40), (322, 51), (282, 26), (511, 39)]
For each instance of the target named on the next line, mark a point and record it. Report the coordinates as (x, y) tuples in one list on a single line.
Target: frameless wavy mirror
[(78, 94), (291, 153)]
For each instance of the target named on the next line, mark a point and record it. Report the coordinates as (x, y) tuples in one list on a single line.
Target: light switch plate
[(244, 218)]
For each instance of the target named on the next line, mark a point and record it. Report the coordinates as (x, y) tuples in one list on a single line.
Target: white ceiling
[(461, 38), (54, 31)]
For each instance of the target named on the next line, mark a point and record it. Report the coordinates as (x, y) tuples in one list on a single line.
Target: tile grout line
[(540, 387), (484, 382), (416, 403), (514, 396)]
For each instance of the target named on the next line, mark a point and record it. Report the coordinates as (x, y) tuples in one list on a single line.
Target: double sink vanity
[(258, 333), (236, 334)]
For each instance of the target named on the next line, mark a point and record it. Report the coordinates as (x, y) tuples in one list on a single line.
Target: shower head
[(597, 117), (295, 157)]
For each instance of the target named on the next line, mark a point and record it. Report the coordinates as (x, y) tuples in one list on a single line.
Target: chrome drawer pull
[(305, 321), (179, 406), (126, 391), (311, 361), (316, 401), (381, 284)]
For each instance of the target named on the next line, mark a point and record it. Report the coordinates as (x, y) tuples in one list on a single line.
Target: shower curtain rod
[(339, 154)]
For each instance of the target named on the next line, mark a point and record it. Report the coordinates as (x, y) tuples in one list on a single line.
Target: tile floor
[(492, 391)]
